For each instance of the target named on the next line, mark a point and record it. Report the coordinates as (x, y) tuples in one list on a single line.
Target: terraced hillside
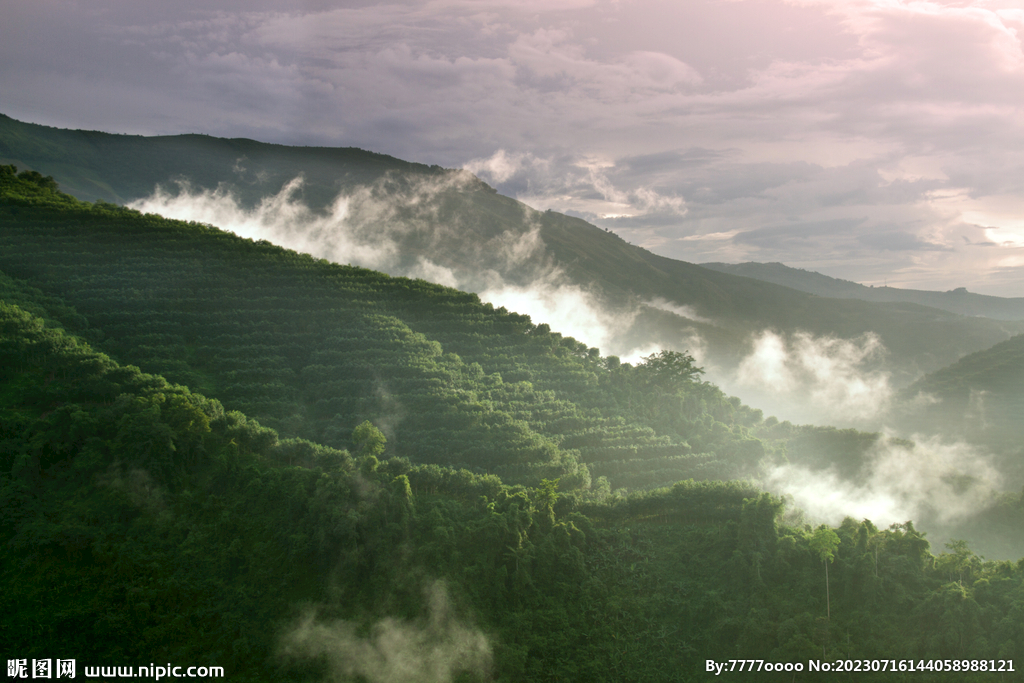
[(314, 349), (456, 224), (142, 522)]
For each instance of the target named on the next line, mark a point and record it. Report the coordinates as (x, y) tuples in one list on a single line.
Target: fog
[(341, 234), (432, 650), (688, 312), (404, 228), (399, 228), (811, 379), (570, 310), (926, 480)]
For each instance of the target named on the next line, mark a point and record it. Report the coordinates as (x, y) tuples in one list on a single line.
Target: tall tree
[(824, 543)]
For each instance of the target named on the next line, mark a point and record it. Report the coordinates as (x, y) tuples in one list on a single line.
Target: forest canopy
[(218, 452)]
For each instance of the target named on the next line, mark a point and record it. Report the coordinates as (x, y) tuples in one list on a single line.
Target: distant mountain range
[(958, 300), (462, 227)]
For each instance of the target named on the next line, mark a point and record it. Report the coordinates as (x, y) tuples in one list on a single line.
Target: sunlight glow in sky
[(874, 140)]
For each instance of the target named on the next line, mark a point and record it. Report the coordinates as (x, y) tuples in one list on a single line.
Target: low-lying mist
[(403, 229), (432, 650), (925, 479), (811, 379), (409, 227)]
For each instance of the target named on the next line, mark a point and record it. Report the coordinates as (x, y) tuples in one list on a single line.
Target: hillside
[(410, 219), (119, 168), (143, 522), (958, 301), (980, 397), (313, 349)]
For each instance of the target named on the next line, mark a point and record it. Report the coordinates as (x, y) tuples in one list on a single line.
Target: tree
[(45, 182), (368, 440), (958, 563), (547, 496), (669, 369), (824, 543)]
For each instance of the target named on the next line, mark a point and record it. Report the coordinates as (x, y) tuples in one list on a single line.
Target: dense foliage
[(143, 521), (312, 349)]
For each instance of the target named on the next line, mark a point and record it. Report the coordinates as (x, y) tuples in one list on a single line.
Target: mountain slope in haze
[(142, 522), (92, 165), (314, 349), (958, 301), (449, 227), (980, 397)]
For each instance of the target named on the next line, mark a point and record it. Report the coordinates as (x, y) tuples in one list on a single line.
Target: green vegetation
[(143, 522), (314, 349), (448, 216), (388, 460)]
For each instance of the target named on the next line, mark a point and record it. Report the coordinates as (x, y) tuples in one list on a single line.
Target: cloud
[(550, 58), (809, 379), (570, 310), (502, 166), (783, 236), (281, 218), (399, 226), (668, 122), (433, 650), (687, 312), (899, 241), (926, 479), (577, 185)]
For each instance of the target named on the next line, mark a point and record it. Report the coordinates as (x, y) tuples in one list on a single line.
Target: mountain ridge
[(426, 219), (958, 300)]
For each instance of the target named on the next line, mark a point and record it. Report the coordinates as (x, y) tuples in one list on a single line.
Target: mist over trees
[(389, 460)]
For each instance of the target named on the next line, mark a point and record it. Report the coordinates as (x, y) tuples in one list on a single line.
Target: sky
[(880, 141)]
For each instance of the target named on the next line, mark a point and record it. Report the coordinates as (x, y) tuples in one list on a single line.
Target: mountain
[(958, 301), (119, 168), (314, 349), (144, 522), (979, 398), (427, 222)]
